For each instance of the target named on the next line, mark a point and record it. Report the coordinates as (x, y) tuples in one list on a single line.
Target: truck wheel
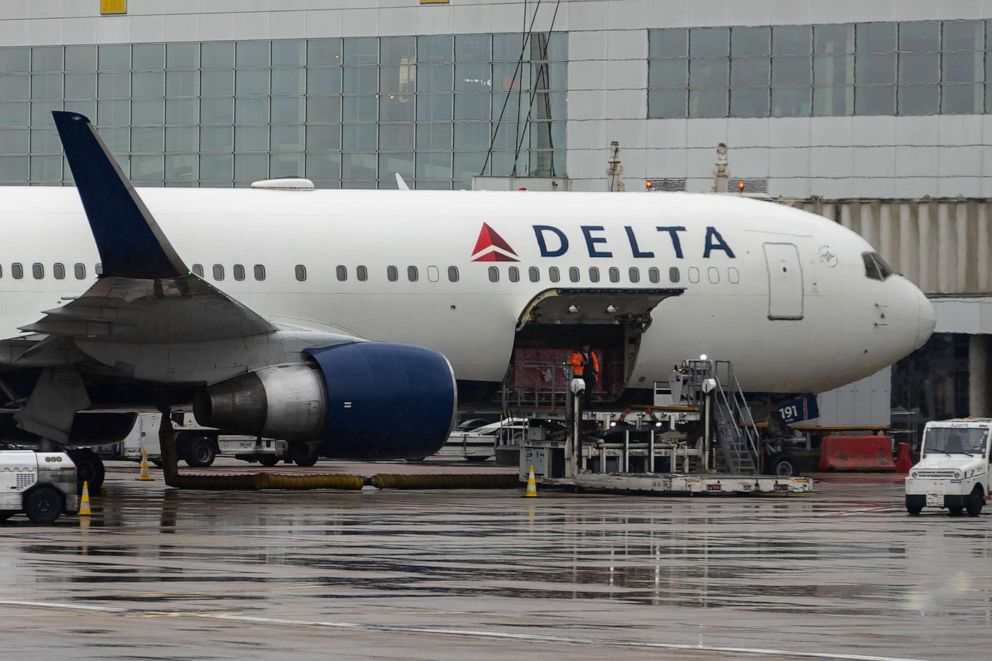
[(43, 505), (89, 469), (782, 464), (304, 454), (268, 460), (955, 510), (476, 460), (201, 452), (976, 499), (6, 515), (914, 504)]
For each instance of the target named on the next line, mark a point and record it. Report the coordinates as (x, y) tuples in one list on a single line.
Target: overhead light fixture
[(573, 308), (611, 308)]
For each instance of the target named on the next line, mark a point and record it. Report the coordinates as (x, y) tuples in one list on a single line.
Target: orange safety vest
[(578, 363)]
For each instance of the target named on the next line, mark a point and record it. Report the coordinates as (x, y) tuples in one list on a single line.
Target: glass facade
[(343, 112), (906, 68)]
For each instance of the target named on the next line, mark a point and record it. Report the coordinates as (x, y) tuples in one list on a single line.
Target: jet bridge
[(559, 321)]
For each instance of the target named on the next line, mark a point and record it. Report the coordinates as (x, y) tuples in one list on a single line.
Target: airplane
[(360, 320)]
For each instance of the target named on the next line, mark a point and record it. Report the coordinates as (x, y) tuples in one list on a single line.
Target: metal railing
[(738, 435)]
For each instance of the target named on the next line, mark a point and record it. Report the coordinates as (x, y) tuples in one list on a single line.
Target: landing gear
[(782, 464), (89, 469)]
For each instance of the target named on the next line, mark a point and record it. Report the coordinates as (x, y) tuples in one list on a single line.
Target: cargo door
[(785, 281)]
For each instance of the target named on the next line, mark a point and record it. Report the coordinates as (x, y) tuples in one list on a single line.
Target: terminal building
[(874, 113)]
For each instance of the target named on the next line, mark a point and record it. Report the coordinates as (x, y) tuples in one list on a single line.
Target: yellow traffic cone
[(144, 466), (531, 485), (84, 503)]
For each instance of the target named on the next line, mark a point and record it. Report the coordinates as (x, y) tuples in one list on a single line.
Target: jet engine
[(362, 400)]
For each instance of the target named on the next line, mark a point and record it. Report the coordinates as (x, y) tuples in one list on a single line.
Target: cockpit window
[(875, 266)]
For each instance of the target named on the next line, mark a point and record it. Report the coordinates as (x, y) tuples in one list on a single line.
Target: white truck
[(40, 484), (953, 471)]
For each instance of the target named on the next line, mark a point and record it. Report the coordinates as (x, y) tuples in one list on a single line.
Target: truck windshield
[(955, 440)]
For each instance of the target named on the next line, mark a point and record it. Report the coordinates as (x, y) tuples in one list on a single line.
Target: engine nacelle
[(362, 400)]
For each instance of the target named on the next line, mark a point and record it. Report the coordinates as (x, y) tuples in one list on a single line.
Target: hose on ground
[(450, 481)]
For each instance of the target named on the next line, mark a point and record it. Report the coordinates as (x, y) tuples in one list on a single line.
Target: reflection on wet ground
[(165, 574)]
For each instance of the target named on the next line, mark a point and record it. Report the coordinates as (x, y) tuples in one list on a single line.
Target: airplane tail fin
[(130, 242)]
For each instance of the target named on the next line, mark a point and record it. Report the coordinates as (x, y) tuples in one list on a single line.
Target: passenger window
[(693, 274), (259, 272), (634, 274), (573, 273), (79, 270), (198, 269), (433, 275), (58, 270), (654, 275), (453, 274), (713, 274), (361, 273), (17, 270), (218, 272), (412, 274), (514, 274), (1, 271), (593, 274), (342, 272), (673, 274), (614, 274), (98, 269), (493, 274), (301, 272), (733, 275), (392, 273), (37, 271), (554, 275), (534, 274), (239, 272)]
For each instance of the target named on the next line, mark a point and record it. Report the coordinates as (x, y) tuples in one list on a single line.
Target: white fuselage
[(780, 292)]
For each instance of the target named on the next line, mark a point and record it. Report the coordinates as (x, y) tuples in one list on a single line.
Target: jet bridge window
[(342, 273), (301, 272), (362, 273), (654, 275), (493, 274), (17, 270), (392, 273), (453, 274), (239, 272), (534, 274), (614, 274), (218, 272), (875, 266), (259, 272), (514, 274), (58, 270), (79, 270), (198, 270), (37, 271)]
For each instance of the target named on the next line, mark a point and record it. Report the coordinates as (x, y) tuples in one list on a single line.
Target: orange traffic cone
[(144, 476), (84, 502), (531, 485)]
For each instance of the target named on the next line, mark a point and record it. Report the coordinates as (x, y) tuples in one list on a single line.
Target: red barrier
[(856, 453), (903, 459)]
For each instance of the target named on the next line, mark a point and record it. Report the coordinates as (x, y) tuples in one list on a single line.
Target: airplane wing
[(145, 293)]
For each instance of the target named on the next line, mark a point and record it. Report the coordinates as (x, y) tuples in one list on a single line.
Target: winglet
[(130, 242), (401, 182)]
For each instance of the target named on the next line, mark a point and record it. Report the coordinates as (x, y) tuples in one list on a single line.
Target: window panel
[(182, 139), (14, 169), (749, 41), (181, 168), (217, 55), (472, 135), (709, 42), (148, 140), (875, 69), (289, 109), (835, 39), (749, 102), (79, 58), (251, 138), (919, 36), (360, 108), (44, 141), (876, 37), (217, 138), (668, 73), (473, 78), (323, 166), (290, 82), (466, 165), (963, 36), (962, 67), (252, 54), (113, 113), (218, 83), (251, 167), (324, 81), (147, 84), (182, 55), (251, 82), (114, 57), (829, 70), (397, 50), (434, 136), (15, 141), (323, 52), (46, 168), (15, 87), (287, 165), (41, 112), (148, 57), (961, 99), (15, 60), (919, 67), (324, 137), (217, 167), (875, 100), (358, 167), (709, 102), (919, 99), (709, 73), (114, 85), (435, 49), (396, 108), (472, 106), (473, 48), (396, 137), (118, 140), (791, 71), (252, 110), (182, 111), (833, 101), (791, 40), (359, 137), (361, 80), (398, 80), (324, 109), (361, 50), (289, 53), (217, 111), (750, 72), (45, 59), (435, 107), (77, 85), (391, 164), (288, 138), (435, 78), (87, 108), (791, 101), (147, 168), (182, 83)]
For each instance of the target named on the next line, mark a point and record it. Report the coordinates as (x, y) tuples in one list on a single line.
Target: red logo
[(491, 247)]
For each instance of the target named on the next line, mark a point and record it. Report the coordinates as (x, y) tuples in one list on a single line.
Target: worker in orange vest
[(585, 366)]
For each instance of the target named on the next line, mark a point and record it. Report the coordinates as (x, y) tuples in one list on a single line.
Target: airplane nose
[(927, 320)]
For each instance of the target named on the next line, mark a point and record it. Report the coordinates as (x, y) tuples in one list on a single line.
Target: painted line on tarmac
[(465, 633)]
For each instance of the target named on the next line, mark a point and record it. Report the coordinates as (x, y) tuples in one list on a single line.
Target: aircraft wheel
[(477, 460), (782, 464), (955, 510), (43, 505), (89, 468)]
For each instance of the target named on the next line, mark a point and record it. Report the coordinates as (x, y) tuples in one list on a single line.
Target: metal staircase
[(735, 429)]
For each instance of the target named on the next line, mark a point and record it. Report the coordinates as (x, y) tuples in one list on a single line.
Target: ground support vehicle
[(953, 471), (40, 484)]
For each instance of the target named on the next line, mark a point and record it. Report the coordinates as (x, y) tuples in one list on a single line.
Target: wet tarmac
[(161, 574)]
